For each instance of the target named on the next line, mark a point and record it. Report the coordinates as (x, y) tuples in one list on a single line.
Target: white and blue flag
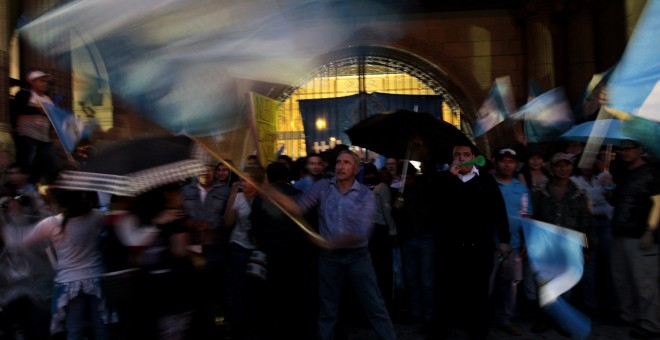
[(546, 116), (69, 128), (634, 86), (555, 254), (498, 105)]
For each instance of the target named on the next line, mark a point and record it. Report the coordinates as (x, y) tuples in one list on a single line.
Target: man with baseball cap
[(508, 271), (562, 202), (34, 147)]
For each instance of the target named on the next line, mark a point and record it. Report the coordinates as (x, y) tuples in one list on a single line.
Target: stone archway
[(385, 59)]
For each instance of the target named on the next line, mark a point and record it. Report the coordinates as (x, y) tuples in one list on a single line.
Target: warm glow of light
[(320, 123)]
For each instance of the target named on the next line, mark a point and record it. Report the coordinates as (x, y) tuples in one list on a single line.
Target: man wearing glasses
[(634, 249)]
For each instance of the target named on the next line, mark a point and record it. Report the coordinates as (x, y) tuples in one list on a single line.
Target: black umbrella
[(408, 135), (136, 166)]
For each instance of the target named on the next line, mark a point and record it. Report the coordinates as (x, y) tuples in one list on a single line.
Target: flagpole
[(300, 222)]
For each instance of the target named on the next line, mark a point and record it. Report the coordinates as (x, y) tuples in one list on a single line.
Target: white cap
[(36, 74)]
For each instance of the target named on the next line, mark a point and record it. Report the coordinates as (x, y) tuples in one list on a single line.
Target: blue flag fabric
[(533, 90), (555, 254), (634, 86), (69, 128), (177, 62), (645, 131), (498, 105), (570, 319), (546, 116)]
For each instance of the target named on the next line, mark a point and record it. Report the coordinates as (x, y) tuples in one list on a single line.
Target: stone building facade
[(468, 43)]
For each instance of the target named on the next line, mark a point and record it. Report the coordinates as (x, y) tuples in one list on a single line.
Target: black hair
[(149, 204), (371, 175), (73, 203), (277, 172)]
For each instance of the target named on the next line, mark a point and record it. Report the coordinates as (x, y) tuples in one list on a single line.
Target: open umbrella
[(408, 134), (136, 166), (607, 129)]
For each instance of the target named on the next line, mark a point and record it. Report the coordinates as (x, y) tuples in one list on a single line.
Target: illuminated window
[(341, 78)]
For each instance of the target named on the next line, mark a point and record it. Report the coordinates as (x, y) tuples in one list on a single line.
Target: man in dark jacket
[(287, 294), (634, 251), (465, 250)]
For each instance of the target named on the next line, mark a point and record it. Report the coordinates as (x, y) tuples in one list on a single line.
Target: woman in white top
[(77, 296), (241, 245)]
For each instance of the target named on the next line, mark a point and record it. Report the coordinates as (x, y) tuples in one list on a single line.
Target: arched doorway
[(370, 69)]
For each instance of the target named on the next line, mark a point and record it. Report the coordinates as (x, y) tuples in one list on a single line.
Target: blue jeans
[(419, 268), (334, 267), (78, 311), (508, 275)]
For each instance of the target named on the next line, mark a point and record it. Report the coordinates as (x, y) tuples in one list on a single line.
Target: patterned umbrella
[(136, 166)]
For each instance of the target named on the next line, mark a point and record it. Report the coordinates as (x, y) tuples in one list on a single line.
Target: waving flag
[(556, 257), (634, 87), (69, 128), (533, 90), (589, 104), (498, 104), (177, 62), (546, 116)]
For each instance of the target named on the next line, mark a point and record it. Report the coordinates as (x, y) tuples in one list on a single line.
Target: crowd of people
[(287, 251)]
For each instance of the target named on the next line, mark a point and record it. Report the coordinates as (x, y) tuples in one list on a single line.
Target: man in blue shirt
[(509, 271), (346, 219)]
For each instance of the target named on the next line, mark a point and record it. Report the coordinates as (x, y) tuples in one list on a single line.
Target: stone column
[(580, 53), (540, 47), (6, 140)]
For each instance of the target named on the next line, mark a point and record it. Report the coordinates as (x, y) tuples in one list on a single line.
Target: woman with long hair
[(77, 298)]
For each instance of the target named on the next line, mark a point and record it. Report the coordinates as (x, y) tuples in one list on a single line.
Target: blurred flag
[(498, 104), (555, 254), (634, 86), (570, 319), (533, 90), (645, 131), (177, 62), (546, 116), (589, 104), (69, 128)]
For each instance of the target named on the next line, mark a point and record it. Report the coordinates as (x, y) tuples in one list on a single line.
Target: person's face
[(630, 152), (206, 179), (346, 168), (390, 165), (40, 85), (315, 166), (535, 162), (222, 172), (562, 169), (252, 162), (506, 167), (463, 154)]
